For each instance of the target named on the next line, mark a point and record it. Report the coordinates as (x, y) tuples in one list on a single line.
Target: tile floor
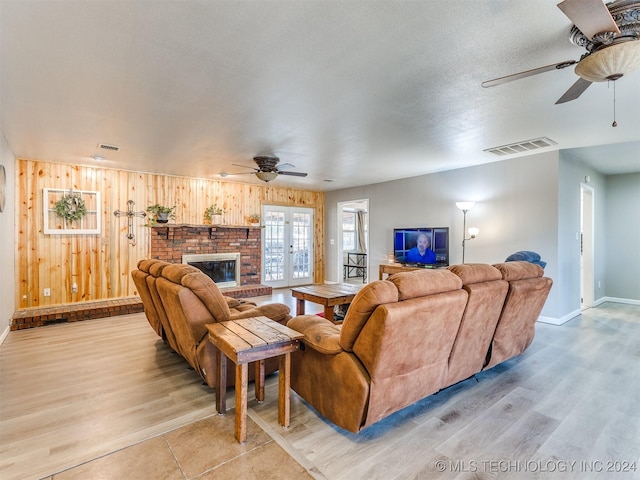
[(192, 452)]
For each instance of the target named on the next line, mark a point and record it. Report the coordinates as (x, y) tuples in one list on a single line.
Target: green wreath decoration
[(71, 207)]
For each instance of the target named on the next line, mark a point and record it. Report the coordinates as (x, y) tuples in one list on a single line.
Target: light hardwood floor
[(106, 399)]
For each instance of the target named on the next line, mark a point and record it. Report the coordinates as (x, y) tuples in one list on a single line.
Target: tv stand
[(391, 268)]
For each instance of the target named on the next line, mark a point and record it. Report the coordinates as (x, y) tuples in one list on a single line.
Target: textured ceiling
[(354, 92)]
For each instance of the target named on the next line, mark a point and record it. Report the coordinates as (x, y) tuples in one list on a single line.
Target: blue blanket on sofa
[(526, 256)]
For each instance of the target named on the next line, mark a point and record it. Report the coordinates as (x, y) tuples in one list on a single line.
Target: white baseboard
[(559, 321), (564, 319), (629, 301), (4, 334)]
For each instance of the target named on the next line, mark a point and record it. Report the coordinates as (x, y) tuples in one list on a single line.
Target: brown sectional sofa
[(414, 334), (179, 300)]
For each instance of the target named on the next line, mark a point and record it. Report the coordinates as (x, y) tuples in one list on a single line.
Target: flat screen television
[(408, 252)]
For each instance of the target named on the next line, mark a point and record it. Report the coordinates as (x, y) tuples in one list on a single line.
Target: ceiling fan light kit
[(610, 63), (266, 176)]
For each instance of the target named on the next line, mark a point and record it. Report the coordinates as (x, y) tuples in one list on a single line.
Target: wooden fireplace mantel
[(190, 225)]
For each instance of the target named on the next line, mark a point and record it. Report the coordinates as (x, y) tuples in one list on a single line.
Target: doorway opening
[(353, 241)]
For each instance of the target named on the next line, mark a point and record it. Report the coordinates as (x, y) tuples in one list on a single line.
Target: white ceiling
[(357, 92)]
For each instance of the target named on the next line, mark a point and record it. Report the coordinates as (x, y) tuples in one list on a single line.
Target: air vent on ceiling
[(521, 147), (106, 146)]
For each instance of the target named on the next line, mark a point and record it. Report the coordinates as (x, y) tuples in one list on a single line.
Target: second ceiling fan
[(611, 35), (268, 168)]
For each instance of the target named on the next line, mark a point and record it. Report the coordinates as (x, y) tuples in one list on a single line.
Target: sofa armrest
[(237, 302), (319, 333), (238, 313), (278, 312)]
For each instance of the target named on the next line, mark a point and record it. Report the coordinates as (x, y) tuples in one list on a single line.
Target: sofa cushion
[(208, 293), (156, 267), (516, 327), (405, 347), (475, 273), (144, 264), (175, 271), (519, 270), (365, 302), (420, 283), (487, 291)]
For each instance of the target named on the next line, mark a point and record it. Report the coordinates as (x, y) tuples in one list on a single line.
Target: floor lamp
[(473, 231)]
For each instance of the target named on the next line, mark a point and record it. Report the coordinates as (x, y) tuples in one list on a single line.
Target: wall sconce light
[(473, 231)]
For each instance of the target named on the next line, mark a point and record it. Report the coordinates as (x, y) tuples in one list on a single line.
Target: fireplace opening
[(222, 268)]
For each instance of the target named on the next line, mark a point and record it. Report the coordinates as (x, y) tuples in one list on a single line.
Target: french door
[(287, 246)]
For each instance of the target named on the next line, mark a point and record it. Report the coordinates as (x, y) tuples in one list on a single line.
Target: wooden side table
[(252, 340), (328, 295)]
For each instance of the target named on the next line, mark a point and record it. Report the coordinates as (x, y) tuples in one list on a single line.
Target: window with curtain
[(361, 231), (349, 231)]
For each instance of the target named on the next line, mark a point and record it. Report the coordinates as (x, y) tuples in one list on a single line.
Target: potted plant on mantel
[(254, 220), (160, 214), (213, 215)]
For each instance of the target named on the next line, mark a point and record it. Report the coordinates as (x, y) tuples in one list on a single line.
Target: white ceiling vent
[(521, 147), (106, 146)]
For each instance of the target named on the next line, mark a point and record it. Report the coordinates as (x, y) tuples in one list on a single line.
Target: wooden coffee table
[(252, 340), (328, 295)]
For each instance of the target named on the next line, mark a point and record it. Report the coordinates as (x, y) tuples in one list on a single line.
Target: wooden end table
[(252, 340), (328, 295)]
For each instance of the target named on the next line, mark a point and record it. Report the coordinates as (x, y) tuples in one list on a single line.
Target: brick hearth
[(74, 312), (169, 243)]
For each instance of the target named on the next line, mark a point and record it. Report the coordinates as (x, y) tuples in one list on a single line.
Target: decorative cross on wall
[(130, 214)]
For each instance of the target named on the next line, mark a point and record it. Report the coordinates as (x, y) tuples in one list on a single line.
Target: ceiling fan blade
[(527, 73), (245, 166), (574, 91), (590, 16), (293, 174)]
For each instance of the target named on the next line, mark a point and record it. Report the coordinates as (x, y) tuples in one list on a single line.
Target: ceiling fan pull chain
[(614, 124)]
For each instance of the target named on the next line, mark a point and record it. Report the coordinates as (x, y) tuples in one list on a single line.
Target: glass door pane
[(302, 249), (287, 246), (274, 246)]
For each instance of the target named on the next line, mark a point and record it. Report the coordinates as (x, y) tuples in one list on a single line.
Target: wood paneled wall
[(100, 265)]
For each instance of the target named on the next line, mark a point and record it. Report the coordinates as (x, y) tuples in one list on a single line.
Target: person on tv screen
[(422, 252)]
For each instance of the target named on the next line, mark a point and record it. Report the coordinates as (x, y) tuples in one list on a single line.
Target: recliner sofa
[(179, 300), (413, 334)]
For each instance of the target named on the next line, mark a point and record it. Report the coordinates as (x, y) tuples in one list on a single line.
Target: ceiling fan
[(268, 170), (610, 34)]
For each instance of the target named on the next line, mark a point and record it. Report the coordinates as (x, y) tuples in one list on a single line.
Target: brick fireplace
[(170, 242)]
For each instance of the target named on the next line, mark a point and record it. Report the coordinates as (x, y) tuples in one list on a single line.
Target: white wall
[(7, 240), (531, 203), (516, 209), (622, 229)]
